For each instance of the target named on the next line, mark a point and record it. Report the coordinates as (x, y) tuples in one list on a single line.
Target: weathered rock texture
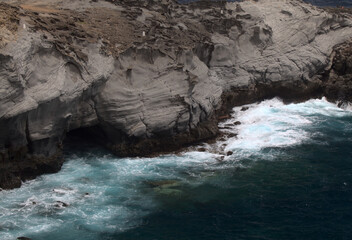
[(86, 65), (338, 78)]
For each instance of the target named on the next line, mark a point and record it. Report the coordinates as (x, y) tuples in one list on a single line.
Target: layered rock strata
[(152, 76)]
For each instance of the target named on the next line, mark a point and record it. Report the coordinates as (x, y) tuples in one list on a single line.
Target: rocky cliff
[(143, 77)]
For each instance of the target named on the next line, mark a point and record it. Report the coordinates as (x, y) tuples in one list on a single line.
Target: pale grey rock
[(45, 88), (279, 41), (150, 91)]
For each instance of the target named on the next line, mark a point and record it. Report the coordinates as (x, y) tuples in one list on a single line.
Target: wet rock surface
[(144, 77), (24, 238)]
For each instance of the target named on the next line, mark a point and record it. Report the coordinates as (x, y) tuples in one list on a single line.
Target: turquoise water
[(289, 177)]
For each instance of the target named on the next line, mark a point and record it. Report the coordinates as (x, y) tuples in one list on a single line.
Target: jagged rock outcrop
[(149, 76), (338, 78)]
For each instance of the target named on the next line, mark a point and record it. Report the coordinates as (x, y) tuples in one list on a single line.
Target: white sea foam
[(347, 107), (272, 124)]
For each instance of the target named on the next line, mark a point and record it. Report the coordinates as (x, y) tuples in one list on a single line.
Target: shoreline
[(182, 149)]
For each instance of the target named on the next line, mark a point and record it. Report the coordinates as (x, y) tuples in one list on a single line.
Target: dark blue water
[(323, 3), (300, 191), (346, 3), (290, 177)]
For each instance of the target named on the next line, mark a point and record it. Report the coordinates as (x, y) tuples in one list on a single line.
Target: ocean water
[(323, 3), (289, 177), (346, 3)]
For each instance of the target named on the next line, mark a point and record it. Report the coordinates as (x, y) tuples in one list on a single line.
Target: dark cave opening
[(84, 139)]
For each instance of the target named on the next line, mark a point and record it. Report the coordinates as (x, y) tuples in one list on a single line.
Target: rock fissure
[(28, 138)]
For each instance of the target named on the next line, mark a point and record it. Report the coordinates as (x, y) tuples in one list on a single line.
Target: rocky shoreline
[(143, 78)]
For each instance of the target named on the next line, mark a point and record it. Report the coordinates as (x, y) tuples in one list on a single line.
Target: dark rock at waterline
[(229, 153), (244, 109), (140, 95), (201, 149), (60, 204), (9, 180), (23, 238), (231, 135), (27, 166), (237, 123)]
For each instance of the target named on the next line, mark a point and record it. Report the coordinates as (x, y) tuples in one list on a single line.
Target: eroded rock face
[(41, 88), (140, 93), (338, 78)]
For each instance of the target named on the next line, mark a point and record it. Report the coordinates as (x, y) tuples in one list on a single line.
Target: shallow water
[(289, 177)]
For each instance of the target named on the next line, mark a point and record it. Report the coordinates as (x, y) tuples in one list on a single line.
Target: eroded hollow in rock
[(84, 138)]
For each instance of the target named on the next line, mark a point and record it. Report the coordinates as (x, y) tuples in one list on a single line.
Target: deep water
[(289, 177), (346, 3), (322, 3)]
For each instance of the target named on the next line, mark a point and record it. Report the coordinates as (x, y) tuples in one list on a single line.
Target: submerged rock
[(168, 191), (60, 204), (89, 68), (166, 187), (164, 183)]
